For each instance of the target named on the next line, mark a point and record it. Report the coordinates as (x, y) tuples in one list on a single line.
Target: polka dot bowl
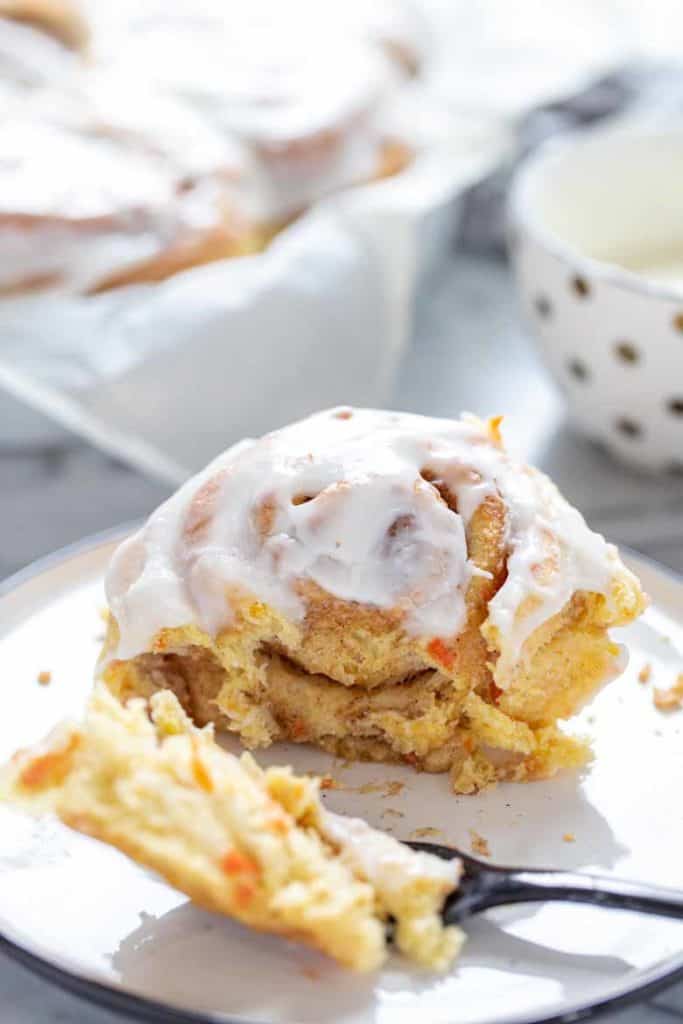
[(596, 242)]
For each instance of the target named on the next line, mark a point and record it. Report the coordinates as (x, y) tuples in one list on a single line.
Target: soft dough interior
[(460, 722)]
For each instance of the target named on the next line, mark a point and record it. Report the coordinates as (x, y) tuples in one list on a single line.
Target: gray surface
[(470, 353)]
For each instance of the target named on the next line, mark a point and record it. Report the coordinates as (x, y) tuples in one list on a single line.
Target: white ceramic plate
[(89, 919)]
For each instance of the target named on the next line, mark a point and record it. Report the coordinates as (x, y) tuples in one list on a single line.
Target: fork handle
[(497, 887)]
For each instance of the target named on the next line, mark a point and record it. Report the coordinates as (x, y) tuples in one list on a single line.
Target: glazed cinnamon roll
[(304, 89), (385, 586), (100, 188)]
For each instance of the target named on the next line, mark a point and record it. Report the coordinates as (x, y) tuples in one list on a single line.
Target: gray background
[(470, 352)]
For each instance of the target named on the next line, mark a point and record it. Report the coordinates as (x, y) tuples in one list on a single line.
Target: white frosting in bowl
[(344, 499)]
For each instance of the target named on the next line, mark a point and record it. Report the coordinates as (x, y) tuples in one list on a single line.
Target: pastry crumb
[(426, 833), (313, 973), (479, 845), (371, 787), (569, 837), (671, 699), (327, 782), (387, 789), (645, 673), (392, 812), (44, 677)]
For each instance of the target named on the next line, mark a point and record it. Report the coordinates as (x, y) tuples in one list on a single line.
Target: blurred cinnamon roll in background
[(93, 195), (304, 86), (388, 587), (295, 97)]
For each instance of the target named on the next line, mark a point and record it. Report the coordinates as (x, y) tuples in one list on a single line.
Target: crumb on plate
[(428, 832), (671, 699), (388, 788), (479, 845), (645, 673), (312, 973), (569, 837), (44, 677)]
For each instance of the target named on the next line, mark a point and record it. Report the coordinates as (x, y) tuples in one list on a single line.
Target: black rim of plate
[(646, 983)]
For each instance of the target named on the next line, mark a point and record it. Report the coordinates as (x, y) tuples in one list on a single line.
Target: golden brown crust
[(224, 241), (59, 18)]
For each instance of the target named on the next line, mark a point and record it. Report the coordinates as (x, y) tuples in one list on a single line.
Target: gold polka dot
[(627, 352), (628, 427), (578, 369), (580, 286), (543, 306)]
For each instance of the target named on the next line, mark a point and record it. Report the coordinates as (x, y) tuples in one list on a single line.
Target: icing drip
[(387, 864), (345, 499)]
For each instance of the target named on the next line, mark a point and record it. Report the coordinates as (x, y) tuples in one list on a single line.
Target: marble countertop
[(470, 352)]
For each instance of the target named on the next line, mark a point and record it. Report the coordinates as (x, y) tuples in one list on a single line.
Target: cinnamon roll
[(101, 187), (255, 845), (303, 88), (385, 586)]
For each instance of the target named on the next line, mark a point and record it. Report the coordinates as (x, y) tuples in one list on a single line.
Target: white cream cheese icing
[(387, 864), (301, 86), (89, 187), (347, 502), (30, 58)]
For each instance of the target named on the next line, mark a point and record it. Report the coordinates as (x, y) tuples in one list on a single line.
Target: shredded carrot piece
[(244, 893), (278, 825), (494, 429), (439, 652), (236, 863), (50, 769), (495, 691)]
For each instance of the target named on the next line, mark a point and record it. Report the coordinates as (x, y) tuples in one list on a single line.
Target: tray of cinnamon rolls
[(205, 182)]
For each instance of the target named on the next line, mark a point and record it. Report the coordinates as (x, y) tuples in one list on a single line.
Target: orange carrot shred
[(438, 650), (50, 769), (244, 893), (236, 863)]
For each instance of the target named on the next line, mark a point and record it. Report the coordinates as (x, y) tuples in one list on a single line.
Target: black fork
[(484, 886)]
